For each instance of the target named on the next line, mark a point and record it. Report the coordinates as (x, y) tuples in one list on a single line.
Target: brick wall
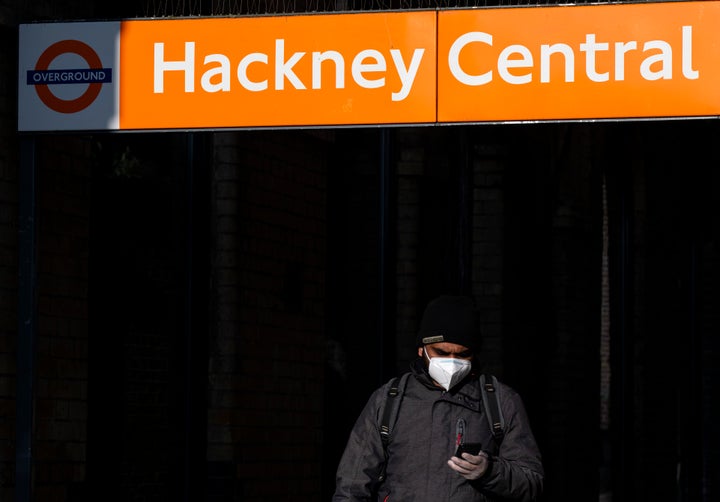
[(416, 151), (410, 169), (487, 252), (710, 359), (268, 349), (61, 348)]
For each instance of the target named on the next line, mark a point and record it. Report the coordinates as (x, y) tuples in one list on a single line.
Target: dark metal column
[(197, 237), (385, 264), (27, 320), (189, 487), (622, 350)]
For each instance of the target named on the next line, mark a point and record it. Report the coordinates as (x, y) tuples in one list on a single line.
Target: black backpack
[(391, 405)]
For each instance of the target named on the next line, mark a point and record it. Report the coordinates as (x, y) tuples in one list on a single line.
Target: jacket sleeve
[(516, 473), (363, 458)]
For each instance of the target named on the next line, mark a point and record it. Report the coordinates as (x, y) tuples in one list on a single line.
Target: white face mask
[(448, 371)]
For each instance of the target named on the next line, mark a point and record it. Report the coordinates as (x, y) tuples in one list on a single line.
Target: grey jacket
[(424, 439)]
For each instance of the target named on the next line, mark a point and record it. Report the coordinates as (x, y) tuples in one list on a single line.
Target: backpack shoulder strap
[(491, 400), (388, 415), (390, 407)]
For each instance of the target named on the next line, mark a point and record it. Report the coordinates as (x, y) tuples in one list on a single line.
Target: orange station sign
[(291, 71), (573, 63), (512, 64)]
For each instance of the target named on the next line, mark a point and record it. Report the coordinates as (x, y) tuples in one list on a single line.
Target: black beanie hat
[(450, 319)]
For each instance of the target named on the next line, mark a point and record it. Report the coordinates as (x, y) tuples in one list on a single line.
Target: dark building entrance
[(204, 296)]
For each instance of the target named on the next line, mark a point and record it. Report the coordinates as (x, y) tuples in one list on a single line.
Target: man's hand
[(470, 466)]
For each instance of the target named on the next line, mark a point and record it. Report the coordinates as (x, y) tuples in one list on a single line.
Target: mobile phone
[(471, 448)]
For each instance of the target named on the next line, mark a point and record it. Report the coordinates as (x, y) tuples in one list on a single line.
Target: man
[(441, 408)]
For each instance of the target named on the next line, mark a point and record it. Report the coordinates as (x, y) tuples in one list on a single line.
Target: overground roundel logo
[(93, 76)]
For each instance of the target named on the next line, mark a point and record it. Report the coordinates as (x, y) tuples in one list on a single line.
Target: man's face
[(445, 349)]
